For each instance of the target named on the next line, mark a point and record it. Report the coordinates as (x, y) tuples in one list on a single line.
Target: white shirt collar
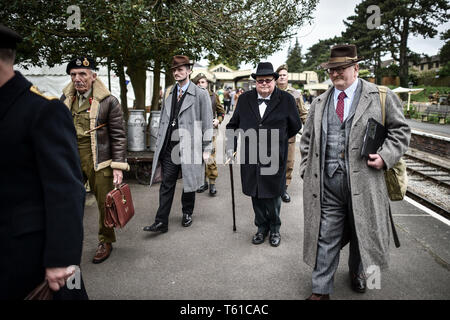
[(349, 92), (268, 97)]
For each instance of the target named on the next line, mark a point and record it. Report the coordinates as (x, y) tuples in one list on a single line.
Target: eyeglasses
[(261, 81), (338, 70)]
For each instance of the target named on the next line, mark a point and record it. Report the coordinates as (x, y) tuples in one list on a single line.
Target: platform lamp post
[(410, 85)]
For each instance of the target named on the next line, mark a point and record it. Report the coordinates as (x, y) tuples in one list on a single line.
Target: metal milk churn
[(136, 130), (154, 126)]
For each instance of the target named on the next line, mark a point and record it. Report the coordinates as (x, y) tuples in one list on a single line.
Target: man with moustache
[(270, 116), (282, 83), (102, 143), (345, 197), (184, 140)]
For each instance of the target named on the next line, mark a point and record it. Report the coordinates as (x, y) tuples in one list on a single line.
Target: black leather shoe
[(187, 220), (157, 227), (259, 237), (285, 197), (275, 239), (212, 189), (203, 188), (358, 282)]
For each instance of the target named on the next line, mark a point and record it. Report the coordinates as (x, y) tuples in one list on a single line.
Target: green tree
[(142, 35), (319, 53), (369, 41), (444, 55), (404, 18), (294, 58)]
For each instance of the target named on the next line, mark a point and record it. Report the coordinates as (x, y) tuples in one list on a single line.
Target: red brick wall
[(431, 145)]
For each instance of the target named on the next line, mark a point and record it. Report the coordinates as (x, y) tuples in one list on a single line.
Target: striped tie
[(180, 94)]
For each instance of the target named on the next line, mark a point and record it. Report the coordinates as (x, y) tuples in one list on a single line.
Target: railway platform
[(208, 261)]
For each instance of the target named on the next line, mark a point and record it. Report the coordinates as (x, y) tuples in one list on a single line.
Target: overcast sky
[(328, 22)]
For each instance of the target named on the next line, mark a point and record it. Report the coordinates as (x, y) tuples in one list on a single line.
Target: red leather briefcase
[(119, 207)]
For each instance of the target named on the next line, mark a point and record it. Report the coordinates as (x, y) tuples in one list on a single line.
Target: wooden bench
[(436, 110)]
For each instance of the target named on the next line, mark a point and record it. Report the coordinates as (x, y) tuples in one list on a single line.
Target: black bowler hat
[(264, 69), (8, 38), (81, 63)]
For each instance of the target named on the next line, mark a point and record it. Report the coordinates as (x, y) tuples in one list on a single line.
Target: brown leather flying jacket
[(109, 143)]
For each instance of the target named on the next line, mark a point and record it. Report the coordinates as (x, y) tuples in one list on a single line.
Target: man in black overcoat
[(42, 194), (265, 118)]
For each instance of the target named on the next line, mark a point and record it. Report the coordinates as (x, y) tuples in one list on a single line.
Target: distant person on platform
[(183, 144), (218, 114), (345, 197), (265, 118), (102, 143), (41, 212), (282, 83)]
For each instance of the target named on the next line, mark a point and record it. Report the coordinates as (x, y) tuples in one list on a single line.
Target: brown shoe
[(103, 251), (315, 296)]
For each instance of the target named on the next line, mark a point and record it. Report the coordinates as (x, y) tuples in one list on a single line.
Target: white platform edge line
[(428, 211), (431, 135)]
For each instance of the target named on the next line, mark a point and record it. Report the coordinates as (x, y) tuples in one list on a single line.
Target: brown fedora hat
[(178, 61), (342, 55)]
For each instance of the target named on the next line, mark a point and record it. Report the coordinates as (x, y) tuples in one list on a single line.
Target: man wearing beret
[(183, 144), (282, 83), (41, 212), (218, 114), (345, 197), (265, 118), (102, 144)]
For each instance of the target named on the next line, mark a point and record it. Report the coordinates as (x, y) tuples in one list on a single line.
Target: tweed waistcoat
[(335, 149), (337, 134)]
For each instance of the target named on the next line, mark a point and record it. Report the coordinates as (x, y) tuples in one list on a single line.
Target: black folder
[(373, 138)]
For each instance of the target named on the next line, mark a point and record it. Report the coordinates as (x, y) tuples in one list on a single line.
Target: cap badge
[(78, 62), (85, 62)]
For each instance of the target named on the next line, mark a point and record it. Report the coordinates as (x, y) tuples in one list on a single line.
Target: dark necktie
[(263, 100), (180, 94), (340, 106)]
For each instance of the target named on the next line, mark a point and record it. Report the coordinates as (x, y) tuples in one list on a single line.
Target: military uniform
[(98, 120), (218, 113), (41, 217), (101, 181), (291, 148)]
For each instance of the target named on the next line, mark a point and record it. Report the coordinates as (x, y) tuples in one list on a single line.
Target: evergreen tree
[(294, 58)]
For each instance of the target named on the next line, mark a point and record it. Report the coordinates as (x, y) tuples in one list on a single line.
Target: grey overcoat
[(368, 188), (195, 122)]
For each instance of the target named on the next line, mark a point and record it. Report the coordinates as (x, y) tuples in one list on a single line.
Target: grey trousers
[(336, 213), (267, 214)]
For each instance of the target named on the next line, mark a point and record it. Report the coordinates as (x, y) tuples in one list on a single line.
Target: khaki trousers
[(100, 182), (290, 160), (211, 167)]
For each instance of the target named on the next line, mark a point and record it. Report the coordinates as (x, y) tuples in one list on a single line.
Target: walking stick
[(232, 191)]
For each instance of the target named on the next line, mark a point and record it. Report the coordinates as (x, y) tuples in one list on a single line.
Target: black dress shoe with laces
[(286, 197), (157, 227), (275, 239), (212, 189), (187, 220), (259, 237), (203, 188), (358, 282)]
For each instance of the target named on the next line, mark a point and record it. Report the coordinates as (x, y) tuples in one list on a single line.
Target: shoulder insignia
[(35, 90)]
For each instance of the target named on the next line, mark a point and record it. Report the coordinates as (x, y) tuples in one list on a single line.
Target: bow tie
[(263, 100)]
